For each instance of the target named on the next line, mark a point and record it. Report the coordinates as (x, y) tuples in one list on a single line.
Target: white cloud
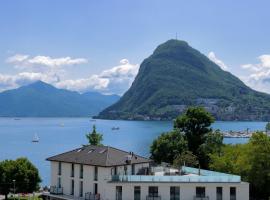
[(112, 81), (259, 74), (115, 80), (212, 57), (42, 63)]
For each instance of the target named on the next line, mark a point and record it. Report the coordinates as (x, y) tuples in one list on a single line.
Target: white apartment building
[(107, 173)]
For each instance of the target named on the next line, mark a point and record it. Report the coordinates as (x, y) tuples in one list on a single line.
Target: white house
[(107, 173)]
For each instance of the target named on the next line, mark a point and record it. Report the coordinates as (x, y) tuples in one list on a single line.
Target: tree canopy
[(191, 140), (250, 160), (94, 138), (23, 172), (167, 146)]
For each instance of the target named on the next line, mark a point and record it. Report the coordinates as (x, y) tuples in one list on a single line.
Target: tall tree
[(168, 146), (22, 172), (94, 138), (195, 123)]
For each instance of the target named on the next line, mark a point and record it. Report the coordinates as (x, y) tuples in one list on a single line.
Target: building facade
[(107, 173)]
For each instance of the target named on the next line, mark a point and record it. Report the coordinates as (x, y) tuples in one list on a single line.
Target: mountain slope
[(176, 76), (43, 100)]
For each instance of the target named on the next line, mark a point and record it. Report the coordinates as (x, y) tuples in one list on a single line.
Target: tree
[(213, 144), (24, 173), (195, 123), (94, 138), (267, 127), (168, 146), (186, 158), (251, 161), (259, 160)]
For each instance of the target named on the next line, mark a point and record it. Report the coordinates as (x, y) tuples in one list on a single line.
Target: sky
[(98, 45)]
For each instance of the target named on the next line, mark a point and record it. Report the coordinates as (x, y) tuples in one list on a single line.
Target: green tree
[(168, 146), (259, 160), (186, 158), (213, 144), (195, 123), (94, 138), (24, 173), (251, 161), (267, 127)]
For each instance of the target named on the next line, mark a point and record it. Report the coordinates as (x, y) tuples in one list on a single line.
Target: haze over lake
[(62, 134)]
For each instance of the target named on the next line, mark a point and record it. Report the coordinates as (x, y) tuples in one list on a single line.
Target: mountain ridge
[(40, 99), (177, 76)]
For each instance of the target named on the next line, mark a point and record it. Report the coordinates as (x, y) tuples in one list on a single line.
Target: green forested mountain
[(176, 76), (40, 99)]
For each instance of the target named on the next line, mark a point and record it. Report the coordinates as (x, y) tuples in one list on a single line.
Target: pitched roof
[(98, 155)]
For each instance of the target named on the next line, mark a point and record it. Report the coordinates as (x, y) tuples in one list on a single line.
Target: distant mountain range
[(40, 99), (177, 76)]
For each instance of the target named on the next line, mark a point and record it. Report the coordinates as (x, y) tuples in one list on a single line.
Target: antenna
[(176, 35)]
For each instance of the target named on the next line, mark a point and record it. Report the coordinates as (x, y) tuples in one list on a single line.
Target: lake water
[(58, 135)]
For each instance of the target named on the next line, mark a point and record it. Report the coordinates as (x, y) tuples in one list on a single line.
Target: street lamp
[(14, 182)]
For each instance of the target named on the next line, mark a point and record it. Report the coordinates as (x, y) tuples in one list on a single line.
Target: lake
[(58, 135)]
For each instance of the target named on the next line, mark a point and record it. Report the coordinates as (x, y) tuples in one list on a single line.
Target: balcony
[(201, 198), (90, 196), (153, 197), (56, 190)]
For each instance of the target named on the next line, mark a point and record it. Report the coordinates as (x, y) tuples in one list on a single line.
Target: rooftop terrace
[(189, 174)]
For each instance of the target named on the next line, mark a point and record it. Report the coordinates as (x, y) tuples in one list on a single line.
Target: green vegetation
[(190, 142), (251, 161), (175, 77), (94, 138), (20, 173), (267, 127)]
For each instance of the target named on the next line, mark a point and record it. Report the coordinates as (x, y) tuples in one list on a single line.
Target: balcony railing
[(201, 198), (56, 190), (187, 178), (90, 196), (153, 197)]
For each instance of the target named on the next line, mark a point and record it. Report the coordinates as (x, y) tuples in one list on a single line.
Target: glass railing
[(186, 178)]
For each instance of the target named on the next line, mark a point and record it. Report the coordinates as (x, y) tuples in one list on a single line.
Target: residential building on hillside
[(107, 173)]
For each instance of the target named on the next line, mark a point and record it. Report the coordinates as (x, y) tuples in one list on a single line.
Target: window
[(115, 170), (59, 168), (72, 170), (81, 188), (232, 193), (81, 171), (95, 188), (132, 169), (153, 191), (72, 188), (200, 191), (96, 174), (118, 193), (174, 193), (219, 193), (59, 182), (137, 193)]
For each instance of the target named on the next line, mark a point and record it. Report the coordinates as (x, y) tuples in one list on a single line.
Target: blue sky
[(98, 45)]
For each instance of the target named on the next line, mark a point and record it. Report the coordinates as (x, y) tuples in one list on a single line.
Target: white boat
[(35, 138)]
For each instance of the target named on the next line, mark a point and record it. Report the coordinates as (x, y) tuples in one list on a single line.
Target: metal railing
[(56, 190), (153, 197), (90, 196)]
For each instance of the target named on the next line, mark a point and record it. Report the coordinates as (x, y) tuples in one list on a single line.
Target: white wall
[(107, 189)]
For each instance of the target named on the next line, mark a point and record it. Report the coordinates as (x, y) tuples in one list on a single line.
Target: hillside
[(176, 76), (43, 100)]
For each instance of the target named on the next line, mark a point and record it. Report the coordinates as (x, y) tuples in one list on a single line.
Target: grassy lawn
[(25, 198)]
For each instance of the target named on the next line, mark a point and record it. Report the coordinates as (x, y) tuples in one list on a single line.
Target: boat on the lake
[(115, 128), (35, 138)]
